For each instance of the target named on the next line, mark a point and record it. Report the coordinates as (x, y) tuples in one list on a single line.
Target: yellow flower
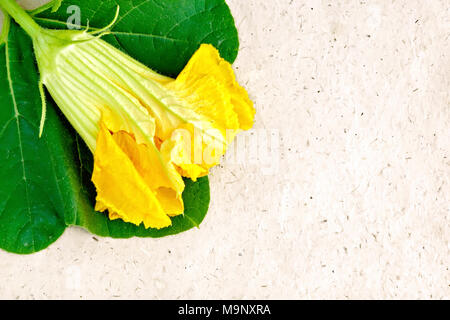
[(145, 130)]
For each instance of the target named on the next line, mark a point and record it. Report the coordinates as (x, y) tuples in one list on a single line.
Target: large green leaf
[(36, 180), (45, 183)]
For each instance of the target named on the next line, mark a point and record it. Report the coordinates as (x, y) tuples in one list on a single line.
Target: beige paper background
[(356, 203)]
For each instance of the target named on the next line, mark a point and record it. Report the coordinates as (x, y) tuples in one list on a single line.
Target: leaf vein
[(16, 111), (190, 17)]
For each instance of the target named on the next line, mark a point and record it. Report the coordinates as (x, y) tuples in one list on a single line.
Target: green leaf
[(196, 200), (35, 185), (56, 191)]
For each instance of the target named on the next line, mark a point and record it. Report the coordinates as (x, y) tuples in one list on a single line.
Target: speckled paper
[(350, 199)]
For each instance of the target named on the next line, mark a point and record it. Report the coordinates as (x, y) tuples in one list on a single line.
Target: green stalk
[(21, 17), (5, 30)]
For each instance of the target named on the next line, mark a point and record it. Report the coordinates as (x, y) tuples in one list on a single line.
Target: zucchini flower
[(144, 129)]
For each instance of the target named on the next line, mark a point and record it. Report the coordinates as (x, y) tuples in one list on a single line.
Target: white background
[(353, 204)]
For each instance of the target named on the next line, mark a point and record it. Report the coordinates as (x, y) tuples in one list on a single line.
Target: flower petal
[(158, 173), (213, 107), (209, 84), (123, 190)]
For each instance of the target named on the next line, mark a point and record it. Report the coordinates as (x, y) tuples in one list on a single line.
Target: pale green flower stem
[(5, 29)]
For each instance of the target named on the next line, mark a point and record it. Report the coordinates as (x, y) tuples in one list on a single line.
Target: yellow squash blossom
[(145, 130)]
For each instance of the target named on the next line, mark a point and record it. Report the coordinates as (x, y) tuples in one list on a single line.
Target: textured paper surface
[(353, 203)]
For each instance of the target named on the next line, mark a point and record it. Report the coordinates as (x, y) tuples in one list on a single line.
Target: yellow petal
[(178, 149), (159, 174), (124, 186), (210, 105), (209, 84)]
